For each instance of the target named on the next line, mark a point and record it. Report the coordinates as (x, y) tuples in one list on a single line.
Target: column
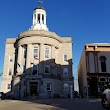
[(53, 52), (44, 19), (41, 18), (19, 61), (42, 54), (28, 58)]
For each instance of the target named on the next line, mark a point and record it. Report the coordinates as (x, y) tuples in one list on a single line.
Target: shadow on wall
[(44, 80)]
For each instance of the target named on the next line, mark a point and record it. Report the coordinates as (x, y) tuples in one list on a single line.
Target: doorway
[(33, 88), (93, 88)]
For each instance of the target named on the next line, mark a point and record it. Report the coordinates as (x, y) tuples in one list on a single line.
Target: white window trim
[(49, 69), (46, 46), (11, 72), (65, 86), (33, 69), (7, 87), (50, 87), (102, 81), (63, 58), (67, 72), (37, 47), (10, 57)]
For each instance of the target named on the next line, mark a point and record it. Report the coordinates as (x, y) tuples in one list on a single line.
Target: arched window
[(103, 63), (38, 18)]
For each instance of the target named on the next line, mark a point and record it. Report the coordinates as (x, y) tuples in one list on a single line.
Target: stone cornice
[(43, 33), (10, 40)]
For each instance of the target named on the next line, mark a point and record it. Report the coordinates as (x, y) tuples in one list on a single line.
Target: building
[(94, 69), (38, 62)]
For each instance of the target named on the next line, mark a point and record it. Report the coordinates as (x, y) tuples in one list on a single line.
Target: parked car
[(106, 99), (2, 95)]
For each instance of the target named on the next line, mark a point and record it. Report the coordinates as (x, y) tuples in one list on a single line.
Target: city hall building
[(94, 69), (38, 62)]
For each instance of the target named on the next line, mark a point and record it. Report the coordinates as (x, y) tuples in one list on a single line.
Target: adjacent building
[(38, 62), (94, 69)]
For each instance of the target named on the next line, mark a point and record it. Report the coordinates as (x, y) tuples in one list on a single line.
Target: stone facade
[(94, 69), (38, 62)]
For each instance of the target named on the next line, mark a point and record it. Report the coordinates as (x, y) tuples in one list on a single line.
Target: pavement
[(52, 104)]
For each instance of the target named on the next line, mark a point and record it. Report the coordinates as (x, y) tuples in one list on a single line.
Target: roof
[(39, 7)]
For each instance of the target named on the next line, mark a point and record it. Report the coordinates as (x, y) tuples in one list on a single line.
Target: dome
[(39, 7)]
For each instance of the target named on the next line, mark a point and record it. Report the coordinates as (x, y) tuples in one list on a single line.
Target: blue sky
[(86, 21)]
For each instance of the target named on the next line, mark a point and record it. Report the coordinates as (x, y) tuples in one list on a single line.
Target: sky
[(86, 21)]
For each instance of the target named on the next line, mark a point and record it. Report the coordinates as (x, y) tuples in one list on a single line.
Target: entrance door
[(93, 89), (33, 88)]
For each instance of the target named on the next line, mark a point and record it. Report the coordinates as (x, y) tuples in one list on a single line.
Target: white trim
[(66, 69), (8, 72), (10, 57), (48, 67), (35, 47), (66, 86), (64, 58), (50, 87), (108, 79), (7, 87), (104, 78)]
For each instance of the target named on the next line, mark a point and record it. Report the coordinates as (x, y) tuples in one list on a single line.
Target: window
[(36, 51), (35, 69), (9, 86), (66, 86), (65, 71), (48, 86), (46, 69), (103, 63), (46, 52), (102, 79), (109, 79), (11, 58), (64, 57), (24, 52), (10, 72)]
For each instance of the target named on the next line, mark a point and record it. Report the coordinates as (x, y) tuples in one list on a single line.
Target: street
[(52, 104)]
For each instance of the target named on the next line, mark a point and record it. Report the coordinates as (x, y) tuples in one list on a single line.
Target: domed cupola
[(39, 19)]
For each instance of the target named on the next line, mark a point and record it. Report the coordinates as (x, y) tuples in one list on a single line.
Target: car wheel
[(105, 103)]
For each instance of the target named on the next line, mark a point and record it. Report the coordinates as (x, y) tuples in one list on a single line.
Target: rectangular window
[(9, 86), (35, 69), (65, 71), (47, 69), (10, 72), (46, 52), (36, 52), (11, 58), (66, 87), (48, 86), (65, 58)]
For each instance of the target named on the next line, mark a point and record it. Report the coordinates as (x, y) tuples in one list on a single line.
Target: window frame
[(36, 47), (66, 89), (64, 71), (48, 67), (10, 58), (9, 72), (50, 87), (35, 69), (8, 86), (65, 60), (47, 48)]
